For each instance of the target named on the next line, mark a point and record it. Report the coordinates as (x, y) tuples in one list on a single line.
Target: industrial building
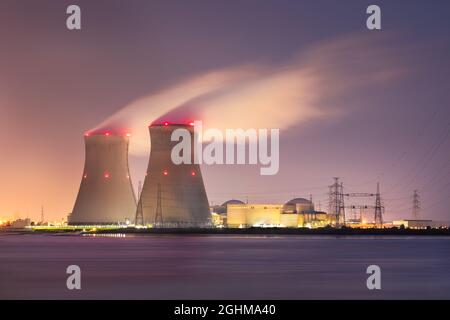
[(253, 215), (296, 213), (222, 209), (173, 195), (20, 223), (219, 212), (414, 224), (106, 194)]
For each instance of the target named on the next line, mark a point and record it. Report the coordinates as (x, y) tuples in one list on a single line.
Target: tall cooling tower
[(106, 194), (173, 195)]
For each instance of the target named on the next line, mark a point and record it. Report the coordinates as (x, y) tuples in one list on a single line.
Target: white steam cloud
[(267, 95)]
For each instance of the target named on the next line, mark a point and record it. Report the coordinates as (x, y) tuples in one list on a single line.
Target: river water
[(223, 267)]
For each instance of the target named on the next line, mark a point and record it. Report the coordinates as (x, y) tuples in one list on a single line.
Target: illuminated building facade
[(252, 215), (414, 224), (296, 213)]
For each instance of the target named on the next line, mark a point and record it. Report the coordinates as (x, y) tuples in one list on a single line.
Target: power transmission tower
[(416, 205), (378, 208), (330, 199), (158, 214), (139, 220), (341, 214), (336, 202)]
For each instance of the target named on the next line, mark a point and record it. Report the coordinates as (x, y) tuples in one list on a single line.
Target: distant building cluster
[(174, 195), (296, 213), (15, 224), (418, 224)]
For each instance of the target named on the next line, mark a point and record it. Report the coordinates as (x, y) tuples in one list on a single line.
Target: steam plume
[(267, 95)]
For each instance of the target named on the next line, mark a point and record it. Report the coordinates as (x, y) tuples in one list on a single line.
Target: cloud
[(269, 95)]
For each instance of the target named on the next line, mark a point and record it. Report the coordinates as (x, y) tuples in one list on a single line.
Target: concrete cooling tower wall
[(172, 195), (106, 194)]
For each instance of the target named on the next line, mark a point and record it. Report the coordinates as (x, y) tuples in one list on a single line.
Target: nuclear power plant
[(106, 194), (173, 195)]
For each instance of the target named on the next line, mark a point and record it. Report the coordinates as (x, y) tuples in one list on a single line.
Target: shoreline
[(279, 231), (247, 231)]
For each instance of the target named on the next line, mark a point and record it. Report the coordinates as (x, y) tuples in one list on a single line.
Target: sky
[(365, 106)]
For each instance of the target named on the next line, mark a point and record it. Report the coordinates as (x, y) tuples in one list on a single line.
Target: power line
[(404, 153), (427, 158)]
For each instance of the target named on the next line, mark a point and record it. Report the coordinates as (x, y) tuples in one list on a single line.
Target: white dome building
[(298, 205)]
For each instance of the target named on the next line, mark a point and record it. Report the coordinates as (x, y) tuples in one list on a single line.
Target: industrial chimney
[(173, 195), (106, 194)]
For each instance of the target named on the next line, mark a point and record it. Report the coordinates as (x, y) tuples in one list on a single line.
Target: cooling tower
[(172, 195), (106, 195)]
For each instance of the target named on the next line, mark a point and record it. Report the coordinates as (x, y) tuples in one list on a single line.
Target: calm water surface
[(224, 267)]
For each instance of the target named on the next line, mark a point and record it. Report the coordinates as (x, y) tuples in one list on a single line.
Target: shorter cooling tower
[(173, 195), (106, 194)]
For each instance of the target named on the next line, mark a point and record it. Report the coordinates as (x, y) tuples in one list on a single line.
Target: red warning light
[(191, 124), (165, 172), (106, 175), (166, 123), (107, 134), (193, 173)]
